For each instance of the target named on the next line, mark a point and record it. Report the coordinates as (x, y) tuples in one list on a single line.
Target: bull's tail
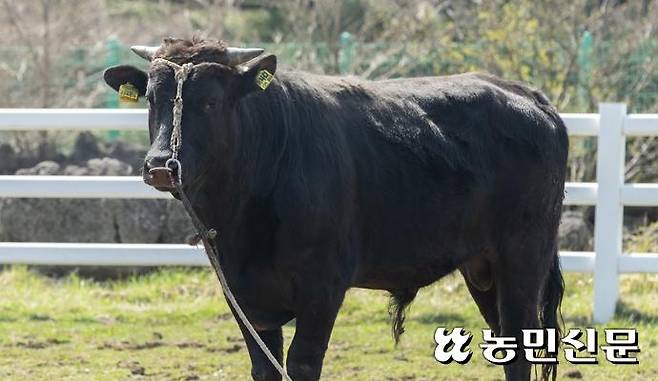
[(397, 308), (550, 314)]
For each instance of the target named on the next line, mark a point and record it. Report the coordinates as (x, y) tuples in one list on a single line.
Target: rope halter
[(181, 72)]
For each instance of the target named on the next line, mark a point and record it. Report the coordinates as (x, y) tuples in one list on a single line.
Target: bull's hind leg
[(519, 276), (478, 277)]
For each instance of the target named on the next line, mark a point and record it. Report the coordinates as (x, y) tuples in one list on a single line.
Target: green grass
[(175, 325)]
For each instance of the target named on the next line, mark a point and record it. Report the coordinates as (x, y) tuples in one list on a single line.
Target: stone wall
[(91, 220)]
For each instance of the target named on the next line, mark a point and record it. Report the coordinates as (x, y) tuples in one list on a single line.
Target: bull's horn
[(238, 56), (146, 52)]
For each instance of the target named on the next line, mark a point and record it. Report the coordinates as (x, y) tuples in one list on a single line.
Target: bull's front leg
[(261, 367), (315, 321)]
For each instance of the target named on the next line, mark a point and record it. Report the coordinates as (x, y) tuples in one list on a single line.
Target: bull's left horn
[(237, 56), (146, 52)]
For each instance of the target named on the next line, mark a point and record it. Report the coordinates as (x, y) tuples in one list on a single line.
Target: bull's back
[(473, 124), (436, 160)]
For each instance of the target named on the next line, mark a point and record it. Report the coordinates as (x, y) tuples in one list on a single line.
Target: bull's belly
[(410, 278), (264, 319), (418, 259), (418, 241), (411, 269)]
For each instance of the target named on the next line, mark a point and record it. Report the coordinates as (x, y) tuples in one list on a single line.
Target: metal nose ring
[(175, 166)]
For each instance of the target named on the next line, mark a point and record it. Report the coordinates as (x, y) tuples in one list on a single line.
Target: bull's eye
[(209, 104)]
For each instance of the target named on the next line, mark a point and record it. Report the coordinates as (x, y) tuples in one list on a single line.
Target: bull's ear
[(122, 74), (258, 72)]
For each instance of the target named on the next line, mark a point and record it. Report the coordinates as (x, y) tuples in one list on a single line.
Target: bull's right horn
[(237, 56)]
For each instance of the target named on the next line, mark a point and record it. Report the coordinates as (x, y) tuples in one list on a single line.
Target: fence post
[(346, 52), (609, 218)]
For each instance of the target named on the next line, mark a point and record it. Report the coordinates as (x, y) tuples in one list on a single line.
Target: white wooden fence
[(609, 194)]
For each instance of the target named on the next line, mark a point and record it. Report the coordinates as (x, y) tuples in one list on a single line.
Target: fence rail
[(609, 194)]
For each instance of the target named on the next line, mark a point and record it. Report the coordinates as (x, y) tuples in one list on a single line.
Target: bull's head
[(220, 78)]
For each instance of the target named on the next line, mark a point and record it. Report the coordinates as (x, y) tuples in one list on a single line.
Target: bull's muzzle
[(164, 178)]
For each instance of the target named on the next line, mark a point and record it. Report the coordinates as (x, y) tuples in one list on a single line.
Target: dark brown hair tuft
[(195, 50)]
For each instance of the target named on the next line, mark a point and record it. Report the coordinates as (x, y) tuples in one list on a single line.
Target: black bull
[(318, 184)]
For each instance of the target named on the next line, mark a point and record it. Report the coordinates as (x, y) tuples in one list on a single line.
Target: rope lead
[(208, 236)]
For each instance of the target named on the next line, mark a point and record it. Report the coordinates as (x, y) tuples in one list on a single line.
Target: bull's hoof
[(303, 372), (265, 374)]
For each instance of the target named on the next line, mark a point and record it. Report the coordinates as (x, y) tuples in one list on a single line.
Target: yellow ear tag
[(264, 78), (128, 93)]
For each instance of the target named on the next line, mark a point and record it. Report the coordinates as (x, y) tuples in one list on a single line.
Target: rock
[(178, 225), (91, 220), (56, 220), (47, 148), (8, 159), (85, 147), (74, 170), (23, 149), (131, 153), (574, 232), (66, 220), (138, 221), (108, 166), (42, 169), (4, 237)]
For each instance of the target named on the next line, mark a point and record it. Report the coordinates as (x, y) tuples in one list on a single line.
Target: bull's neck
[(250, 171), (261, 142), (217, 198)]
